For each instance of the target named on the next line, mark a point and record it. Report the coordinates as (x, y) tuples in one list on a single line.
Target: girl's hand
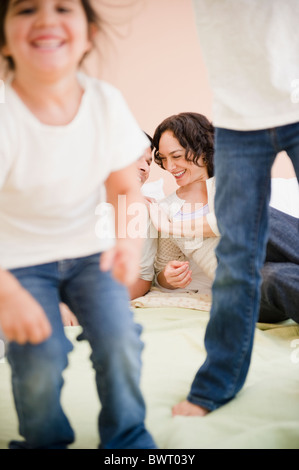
[(177, 274), (123, 261), (188, 228), (22, 318), (159, 218), (193, 228), (149, 200)]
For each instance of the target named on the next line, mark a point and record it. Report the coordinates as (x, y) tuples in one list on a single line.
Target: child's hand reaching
[(22, 319), (159, 218), (123, 260)]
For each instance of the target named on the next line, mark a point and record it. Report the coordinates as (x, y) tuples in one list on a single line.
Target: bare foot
[(186, 408)]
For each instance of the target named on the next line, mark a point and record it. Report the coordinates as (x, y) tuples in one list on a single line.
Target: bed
[(264, 415)]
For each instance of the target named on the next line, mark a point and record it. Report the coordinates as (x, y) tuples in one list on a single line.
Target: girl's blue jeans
[(102, 308), (243, 162)]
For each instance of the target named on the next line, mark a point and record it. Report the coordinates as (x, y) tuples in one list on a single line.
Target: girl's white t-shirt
[(52, 177), (251, 48)]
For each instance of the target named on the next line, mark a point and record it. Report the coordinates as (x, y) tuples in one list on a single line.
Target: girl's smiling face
[(46, 36), (173, 159)]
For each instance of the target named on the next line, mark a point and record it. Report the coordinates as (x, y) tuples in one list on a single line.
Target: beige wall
[(157, 64)]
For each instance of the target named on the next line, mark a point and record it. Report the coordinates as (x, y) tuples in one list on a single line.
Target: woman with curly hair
[(184, 146)]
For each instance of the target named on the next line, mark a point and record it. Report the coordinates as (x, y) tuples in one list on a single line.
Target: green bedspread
[(265, 414)]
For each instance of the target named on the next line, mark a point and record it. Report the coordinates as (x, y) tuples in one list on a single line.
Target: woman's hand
[(175, 275)]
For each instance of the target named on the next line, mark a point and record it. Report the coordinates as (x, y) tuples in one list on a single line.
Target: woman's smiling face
[(173, 159)]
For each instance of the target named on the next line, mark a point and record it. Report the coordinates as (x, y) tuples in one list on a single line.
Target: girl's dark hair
[(3, 12), (195, 134), (150, 139), (91, 15)]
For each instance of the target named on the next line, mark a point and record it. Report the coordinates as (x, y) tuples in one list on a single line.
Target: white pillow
[(285, 195)]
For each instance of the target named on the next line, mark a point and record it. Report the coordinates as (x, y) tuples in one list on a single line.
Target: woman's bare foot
[(186, 408)]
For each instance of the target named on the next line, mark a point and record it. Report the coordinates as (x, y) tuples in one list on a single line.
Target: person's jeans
[(280, 273), (243, 162), (102, 308)]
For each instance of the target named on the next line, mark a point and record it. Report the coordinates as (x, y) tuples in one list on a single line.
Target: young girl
[(63, 135)]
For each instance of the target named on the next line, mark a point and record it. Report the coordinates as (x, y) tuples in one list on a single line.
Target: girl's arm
[(123, 192), (139, 288), (187, 228)]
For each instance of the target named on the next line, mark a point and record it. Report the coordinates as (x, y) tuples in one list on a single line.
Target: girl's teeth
[(47, 44)]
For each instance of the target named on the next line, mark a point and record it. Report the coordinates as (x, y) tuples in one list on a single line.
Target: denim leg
[(102, 307), (243, 163), (280, 274), (279, 292), (37, 370), (283, 241)]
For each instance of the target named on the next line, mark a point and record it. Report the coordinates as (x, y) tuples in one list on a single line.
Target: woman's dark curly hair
[(195, 134), (91, 15)]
